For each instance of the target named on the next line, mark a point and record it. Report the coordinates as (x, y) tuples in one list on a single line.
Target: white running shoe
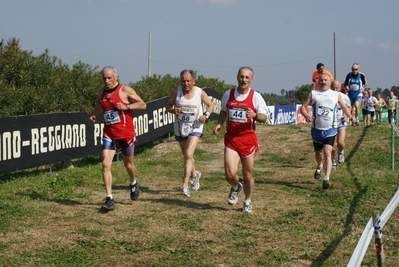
[(195, 184), (341, 157), (185, 191), (334, 165), (233, 196), (247, 207)]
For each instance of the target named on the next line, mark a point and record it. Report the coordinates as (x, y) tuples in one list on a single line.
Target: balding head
[(336, 85)]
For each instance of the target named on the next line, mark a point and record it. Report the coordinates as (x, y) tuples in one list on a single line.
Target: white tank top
[(187, 121), (325, 105)]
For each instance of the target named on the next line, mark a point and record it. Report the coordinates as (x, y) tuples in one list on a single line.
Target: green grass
[(53, 218)]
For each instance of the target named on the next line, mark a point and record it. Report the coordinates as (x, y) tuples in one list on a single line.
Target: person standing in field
[(379, 108), (324, 124), (355, 83), (315, 76), (185, 102), (371, 106), (391, 106), (241, 107), (365, 108), (341, 126), (116, 102)]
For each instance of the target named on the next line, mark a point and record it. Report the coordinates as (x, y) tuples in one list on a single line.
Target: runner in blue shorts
[(355, 83), (325, 103)]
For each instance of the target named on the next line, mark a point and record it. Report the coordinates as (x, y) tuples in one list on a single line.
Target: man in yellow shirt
[(315, 77)]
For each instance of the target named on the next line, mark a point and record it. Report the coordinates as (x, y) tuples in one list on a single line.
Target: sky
[(282, 40)]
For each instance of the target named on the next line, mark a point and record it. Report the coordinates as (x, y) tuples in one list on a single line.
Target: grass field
[(54, 218)]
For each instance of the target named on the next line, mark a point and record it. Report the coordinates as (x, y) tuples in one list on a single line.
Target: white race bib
[(354, 87), (325, 112), (186, 117), (237, 114), (111, 117)]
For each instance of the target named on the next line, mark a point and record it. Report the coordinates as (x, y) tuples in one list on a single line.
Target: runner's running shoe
[(233, 196), (247, 207), (326, 183), (134, 191), (317, 173), (109, 204), (334, 165), (195, 184), (185, 191), (341, 157)]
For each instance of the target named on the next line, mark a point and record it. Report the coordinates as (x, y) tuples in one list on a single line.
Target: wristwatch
[(128, 107)]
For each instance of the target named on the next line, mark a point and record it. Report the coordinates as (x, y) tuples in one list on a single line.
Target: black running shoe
[(109, 204), (134, 191)]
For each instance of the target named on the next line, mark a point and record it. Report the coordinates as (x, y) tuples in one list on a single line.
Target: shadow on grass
[(360, 191), (37, 196), (185, 203)]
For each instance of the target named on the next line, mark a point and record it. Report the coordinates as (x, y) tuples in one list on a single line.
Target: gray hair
[(245, 68), (110, 68), (192, 73)]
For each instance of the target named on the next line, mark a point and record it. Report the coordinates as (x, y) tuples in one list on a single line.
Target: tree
[(302, 92)]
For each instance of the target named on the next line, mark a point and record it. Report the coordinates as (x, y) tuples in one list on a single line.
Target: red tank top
[(118, 124), (237, 121)]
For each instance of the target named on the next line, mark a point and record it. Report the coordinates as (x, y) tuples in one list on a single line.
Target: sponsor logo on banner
[(285, 114), (299, 117)]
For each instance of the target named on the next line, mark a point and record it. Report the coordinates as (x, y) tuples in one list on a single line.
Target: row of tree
[(42, 84)]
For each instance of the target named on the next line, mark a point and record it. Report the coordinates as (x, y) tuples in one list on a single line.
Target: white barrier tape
[(364, 241)]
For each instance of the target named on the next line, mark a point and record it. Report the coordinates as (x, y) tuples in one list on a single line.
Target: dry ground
[(162, 223)]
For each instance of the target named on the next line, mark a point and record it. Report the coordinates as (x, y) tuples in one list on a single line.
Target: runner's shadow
[(360, 192), (185, 203), (37, 196)]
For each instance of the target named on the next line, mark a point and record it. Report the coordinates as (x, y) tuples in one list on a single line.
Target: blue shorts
[(341, 126), (318, 136), (354, 98), (126, 146), (179, 138)]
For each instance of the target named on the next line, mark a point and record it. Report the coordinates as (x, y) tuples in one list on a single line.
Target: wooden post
[(378, 239)]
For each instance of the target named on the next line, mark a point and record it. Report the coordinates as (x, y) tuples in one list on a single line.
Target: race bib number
[(187, 117), (324, 112), (354, 87), (238, 114), (111, 117)]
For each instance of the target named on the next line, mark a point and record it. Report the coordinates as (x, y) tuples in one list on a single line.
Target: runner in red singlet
[(116, 102), (241, 107)]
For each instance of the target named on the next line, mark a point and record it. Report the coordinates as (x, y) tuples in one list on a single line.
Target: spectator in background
[(185, 102), (365, 108), (391, 105), (117, 102), (379, 108), (371, 106), (315, 76), (355, 83)]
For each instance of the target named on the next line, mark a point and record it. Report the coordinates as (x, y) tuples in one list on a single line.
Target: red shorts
[(244, 145)]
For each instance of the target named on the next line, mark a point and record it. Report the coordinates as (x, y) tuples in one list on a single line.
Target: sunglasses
[(355, 69)]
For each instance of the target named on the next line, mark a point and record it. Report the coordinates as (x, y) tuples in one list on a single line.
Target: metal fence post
[(378, 239)]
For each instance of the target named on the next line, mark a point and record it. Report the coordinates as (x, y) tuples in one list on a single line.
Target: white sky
[(282, 40)]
